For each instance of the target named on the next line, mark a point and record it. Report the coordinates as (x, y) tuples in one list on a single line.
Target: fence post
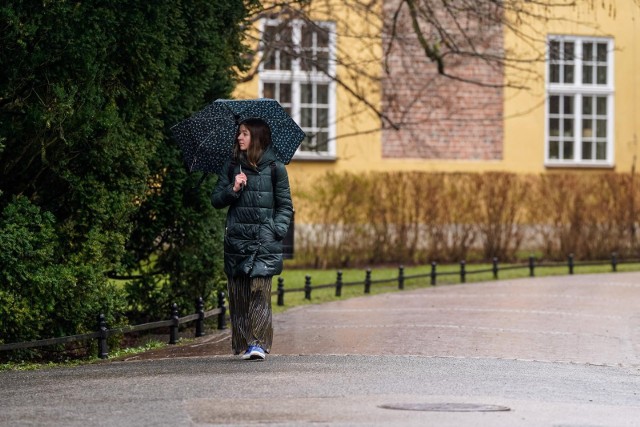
[(339, 284), (495, 267), (307, 287), (433, 273), (280, 291), (173, 329), (532, 266), (103, 349), (222, 316), (401, 277), (570, 263), (463, 271), (367, 281), (200, 319), (614, 261)]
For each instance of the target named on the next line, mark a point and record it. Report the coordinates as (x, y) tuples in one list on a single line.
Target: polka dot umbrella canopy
[(206, 138)]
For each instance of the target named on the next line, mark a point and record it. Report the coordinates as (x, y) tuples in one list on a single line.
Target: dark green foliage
[(88, 92), (40, 295)]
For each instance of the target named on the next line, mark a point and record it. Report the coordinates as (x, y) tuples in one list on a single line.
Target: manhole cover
[(445, 407)]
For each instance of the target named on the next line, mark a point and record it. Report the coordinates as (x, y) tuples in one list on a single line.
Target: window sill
[(578, 165), (314, 157)]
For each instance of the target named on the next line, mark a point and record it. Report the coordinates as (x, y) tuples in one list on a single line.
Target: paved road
[(561, 351)]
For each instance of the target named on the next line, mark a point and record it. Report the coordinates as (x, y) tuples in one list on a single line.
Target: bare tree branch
[(454, 36)]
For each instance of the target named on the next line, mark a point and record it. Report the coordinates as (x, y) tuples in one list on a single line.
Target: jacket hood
[(268, 156)]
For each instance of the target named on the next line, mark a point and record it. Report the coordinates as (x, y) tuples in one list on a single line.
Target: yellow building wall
[(524, 121), (524, 109)]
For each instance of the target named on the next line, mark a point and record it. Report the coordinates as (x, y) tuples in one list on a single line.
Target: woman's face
[(244, 138)]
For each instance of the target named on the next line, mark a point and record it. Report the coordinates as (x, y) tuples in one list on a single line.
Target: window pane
[(601, 106), (269, 90), (587, 105), (587, 74), (306, 117), (554, 127), (554, 104), (323, 94), (587, 128), (601, 128), (322, 141), (269, 35), (554, 150), (567, 127), (586, 150), (306, 93), (587, 51), (323, 118), (308, 144), (322, 41), (270, 61), (568, 105), (601, 150), (567, 150), (305, 61), (602, 75), (284, 47), (307, 37), (554, 50), (554, 73), (569, 51), (602, 52), (285, 36), (322, 61), (285, 61), (285, 93), (568, 73)]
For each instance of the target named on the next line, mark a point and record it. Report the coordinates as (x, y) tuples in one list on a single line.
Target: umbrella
[(206, 138)]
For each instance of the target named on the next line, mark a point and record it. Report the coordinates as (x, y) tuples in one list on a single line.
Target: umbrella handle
[(242, 185)]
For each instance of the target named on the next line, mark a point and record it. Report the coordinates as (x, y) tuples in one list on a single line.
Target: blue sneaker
[(247, 354), (254, 352)]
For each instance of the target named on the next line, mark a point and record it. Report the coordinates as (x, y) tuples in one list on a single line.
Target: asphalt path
[(556, 351)]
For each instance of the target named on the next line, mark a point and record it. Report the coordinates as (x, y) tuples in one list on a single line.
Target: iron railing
[(432, 275), (103, 332)]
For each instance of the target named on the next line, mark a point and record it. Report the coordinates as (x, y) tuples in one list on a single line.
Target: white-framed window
[(299, 58), (579, 107)]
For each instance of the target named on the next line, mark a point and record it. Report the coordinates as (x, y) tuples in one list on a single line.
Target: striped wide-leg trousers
[(250, 312)]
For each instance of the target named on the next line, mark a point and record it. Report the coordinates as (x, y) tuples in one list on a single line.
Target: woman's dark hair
[(260, 140)]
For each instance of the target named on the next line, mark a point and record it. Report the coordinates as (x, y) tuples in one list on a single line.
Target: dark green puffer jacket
[(258, 217)]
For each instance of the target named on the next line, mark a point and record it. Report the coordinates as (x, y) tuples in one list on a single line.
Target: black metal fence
[(103, 332), (433, 275)]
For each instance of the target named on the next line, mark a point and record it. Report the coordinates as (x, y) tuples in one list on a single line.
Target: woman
[(255, 187)]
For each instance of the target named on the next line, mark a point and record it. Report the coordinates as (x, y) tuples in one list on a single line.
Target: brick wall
[(439, 117)]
